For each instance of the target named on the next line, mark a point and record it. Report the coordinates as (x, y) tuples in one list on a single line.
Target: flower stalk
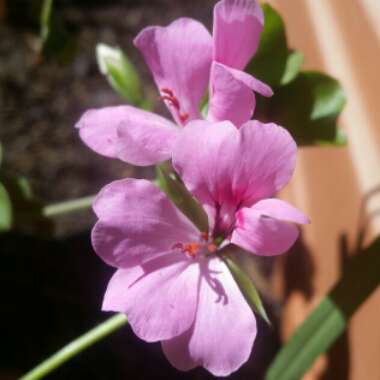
[(56, 209), (76, 346)]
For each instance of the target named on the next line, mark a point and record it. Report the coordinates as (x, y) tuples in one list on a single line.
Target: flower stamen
[(192, 249), (212, 248), (169, 96)]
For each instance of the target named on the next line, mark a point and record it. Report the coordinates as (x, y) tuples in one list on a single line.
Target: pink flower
[(184, 58), (170, 280), (235, 173)]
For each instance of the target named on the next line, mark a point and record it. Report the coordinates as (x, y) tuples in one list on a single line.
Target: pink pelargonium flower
[(183, 58), (171, 281), (234, 173)]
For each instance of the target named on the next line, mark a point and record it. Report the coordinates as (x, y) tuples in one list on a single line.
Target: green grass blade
[(329, 319)]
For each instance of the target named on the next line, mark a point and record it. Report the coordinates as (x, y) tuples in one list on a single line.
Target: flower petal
[(144, 138), (231, 96), (250, 81), (177, 352), (179, 57), (264, 228), (224, 329), (160, 299), (133, 135), (204, 157), (137, 222), (231, 99), (97, 129), (278, 209), (272, 159), (224, 166), (237, 28)]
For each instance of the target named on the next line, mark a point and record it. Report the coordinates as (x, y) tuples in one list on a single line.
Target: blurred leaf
[(244, 283), (57, 42), (329, 319), (293, 65), (46, 14), (204, 105), (5, 210), (182, 198), (307, 103), (308, 107), (5, 204), (274, 63), (121, 74), (27, 210)]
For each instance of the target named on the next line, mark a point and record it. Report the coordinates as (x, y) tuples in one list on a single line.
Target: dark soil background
[(52, 289)]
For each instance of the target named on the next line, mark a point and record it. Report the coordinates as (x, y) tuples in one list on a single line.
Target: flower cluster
[(171, 281)]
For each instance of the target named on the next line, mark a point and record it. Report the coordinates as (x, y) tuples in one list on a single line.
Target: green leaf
[(308, 103), (56, 42), (244, 283), (121, 74), (329, 319), (204, 105), (293, 65), (5, 210), (46, 14), (308, 107), (27, 211), (274, 63), (182, 198)]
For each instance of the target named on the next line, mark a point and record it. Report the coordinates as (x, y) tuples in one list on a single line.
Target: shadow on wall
[(347, 295)]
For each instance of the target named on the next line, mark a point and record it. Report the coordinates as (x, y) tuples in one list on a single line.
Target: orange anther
[(212, 248), (192, 249)]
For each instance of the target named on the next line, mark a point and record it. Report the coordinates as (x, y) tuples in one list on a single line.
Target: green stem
[(75, 347), (68, 206)]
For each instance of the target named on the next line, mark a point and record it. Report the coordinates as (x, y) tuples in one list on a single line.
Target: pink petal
[(278, 209), (231, 94), (237, 28), (177, 352), (179, 57), (264, 228), (224, 166), (272, 159), (204, 155), (251, 82), (145, 138), (133, 135), (231, 99), (137, 222), (97, 128), (159, 301), (224, 330)]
